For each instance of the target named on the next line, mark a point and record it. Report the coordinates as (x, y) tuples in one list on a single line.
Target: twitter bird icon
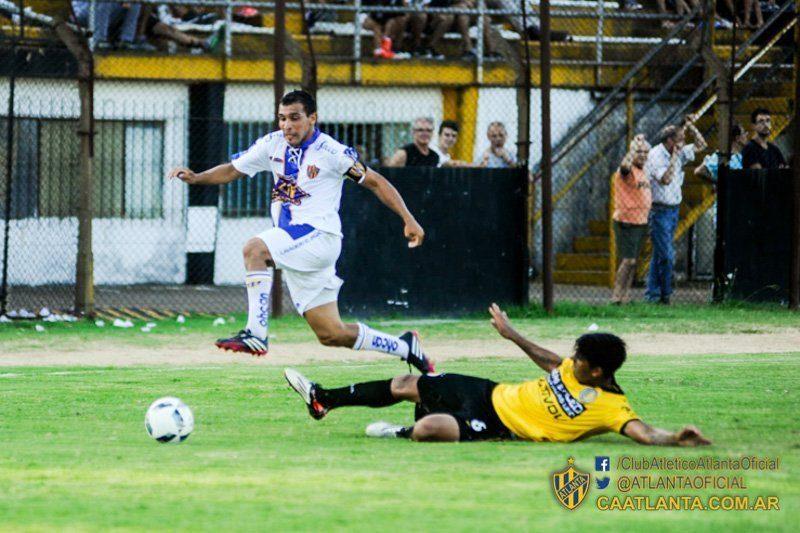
[(602, 482)]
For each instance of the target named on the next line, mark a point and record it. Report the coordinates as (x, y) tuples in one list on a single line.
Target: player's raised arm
[(387, 194), (650, 435), (219, 175), (543, 357)]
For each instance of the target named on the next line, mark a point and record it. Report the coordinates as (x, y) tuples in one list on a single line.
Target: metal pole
[(547, 164), (279, 77), (12, 85), (523, 149), (601, 13), (92, 14), (794, 279), (357, 43), (228, 32), (480, 44)]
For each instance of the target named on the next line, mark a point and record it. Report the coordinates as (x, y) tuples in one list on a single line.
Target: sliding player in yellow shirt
[(578, 398)]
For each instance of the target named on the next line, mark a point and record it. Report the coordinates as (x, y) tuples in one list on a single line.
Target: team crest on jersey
[(287, 190), (312, 171), (570, 485)]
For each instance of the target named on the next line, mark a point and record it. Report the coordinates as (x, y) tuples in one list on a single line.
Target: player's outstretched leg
[(382, 393), (331, 331), (258, 280)]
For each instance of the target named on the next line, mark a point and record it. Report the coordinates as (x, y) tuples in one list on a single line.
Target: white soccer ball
[(169, 420)]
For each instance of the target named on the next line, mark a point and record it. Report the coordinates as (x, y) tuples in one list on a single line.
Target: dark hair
[(452, 124), (300, 97), (736, 130), (604, 350), (758, 111)]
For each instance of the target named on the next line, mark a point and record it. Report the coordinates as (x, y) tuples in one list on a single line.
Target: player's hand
[(691, 436), (184, 174), (414, 233), (500, 321)]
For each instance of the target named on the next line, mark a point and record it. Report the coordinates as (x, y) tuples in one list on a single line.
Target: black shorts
[(467, 399)]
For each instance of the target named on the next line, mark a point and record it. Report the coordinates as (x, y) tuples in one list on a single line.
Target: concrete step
[(585, 277), (590, 244), (582, 262), (598, 228)]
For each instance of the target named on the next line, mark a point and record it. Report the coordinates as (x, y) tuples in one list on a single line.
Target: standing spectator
[(631, 210), (664, 168), (759, 152), (387, 28), (107, 15), (709, 170), (497, 156), (417, 153)]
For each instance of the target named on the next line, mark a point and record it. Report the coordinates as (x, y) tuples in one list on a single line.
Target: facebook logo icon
[(602, 463)]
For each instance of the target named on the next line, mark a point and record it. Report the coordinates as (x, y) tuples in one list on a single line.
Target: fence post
[(547, 162), (598, 47), (279, 86), (794, 279), (357, 43), (12, 84)]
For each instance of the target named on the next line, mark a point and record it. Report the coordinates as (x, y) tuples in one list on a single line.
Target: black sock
[(369, 394)]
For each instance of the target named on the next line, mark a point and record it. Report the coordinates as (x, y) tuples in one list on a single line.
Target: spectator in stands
[(631, 210), (759, 152), (681, 7), (497, 155), (437, 24), (752, 9), (448, 136), (417, 153), (533, 32), (664, 168), (107, 15), (160, 29), (709, 170), (387, 28)]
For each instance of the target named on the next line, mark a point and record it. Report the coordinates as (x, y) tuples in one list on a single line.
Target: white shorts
[(309, 265)]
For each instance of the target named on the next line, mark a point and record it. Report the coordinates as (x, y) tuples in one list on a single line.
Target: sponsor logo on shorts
[(385, 344), (477, 425)]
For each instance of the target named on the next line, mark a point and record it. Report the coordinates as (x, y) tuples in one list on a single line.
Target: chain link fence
[(437, 82)]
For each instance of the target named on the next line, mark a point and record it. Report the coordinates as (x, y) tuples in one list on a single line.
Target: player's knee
[(255, 249), (404, 386), (430, 429)]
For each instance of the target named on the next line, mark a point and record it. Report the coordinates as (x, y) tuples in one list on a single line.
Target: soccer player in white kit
[(309, 168)]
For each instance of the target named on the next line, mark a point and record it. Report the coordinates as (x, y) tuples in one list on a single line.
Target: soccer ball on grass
[(169, 420)]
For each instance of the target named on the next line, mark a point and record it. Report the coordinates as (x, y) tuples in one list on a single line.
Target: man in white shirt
[(309, 168), (497, 156), (664, 167)]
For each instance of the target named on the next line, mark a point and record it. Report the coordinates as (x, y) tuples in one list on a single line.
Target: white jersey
[(308, 179)]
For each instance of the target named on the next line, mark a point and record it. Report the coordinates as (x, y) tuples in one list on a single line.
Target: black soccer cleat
[(416, 357), (246, 342), (307, 390)]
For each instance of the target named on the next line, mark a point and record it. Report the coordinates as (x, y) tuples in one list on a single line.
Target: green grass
[(75, 454), (568, 320)]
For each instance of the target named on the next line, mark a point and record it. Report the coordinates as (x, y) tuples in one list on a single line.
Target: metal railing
[(358, 8)]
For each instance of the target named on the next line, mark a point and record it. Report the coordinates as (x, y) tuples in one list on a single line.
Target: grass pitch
[(75, 454)]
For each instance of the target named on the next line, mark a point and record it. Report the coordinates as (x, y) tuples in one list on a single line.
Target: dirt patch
[(200, 351)]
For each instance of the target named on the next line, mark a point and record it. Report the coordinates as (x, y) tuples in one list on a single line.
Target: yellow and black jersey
[(558, 408)]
